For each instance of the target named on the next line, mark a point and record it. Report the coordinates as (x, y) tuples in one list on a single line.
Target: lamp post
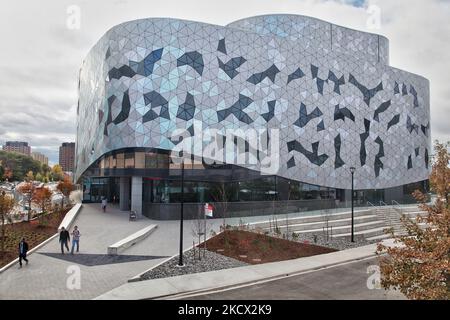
[(180, 259), (352, 171)]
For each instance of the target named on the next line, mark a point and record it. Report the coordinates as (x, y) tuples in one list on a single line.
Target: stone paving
[(47, 275)]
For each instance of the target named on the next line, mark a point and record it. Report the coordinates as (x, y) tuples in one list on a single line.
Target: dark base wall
[(171, 211)]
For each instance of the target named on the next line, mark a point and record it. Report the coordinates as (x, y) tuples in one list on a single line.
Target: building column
[(136, 195), (124, 194)]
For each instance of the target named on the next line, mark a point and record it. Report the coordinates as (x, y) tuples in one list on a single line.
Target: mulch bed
[(33, 232), (255, 248)]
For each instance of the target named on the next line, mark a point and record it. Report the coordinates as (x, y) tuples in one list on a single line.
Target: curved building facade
[(328, 91)]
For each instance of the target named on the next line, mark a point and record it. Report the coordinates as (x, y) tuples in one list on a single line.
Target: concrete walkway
[(48, 272), (206, 281)]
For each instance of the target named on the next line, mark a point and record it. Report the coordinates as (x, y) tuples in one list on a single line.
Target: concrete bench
[(127, 242)]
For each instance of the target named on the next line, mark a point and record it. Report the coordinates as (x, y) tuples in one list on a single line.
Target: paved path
[(46, 275), (348, 281)]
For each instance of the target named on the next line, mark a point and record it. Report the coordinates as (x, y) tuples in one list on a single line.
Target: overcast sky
[(40, 56)]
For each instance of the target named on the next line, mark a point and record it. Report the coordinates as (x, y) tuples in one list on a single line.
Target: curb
[(177, 286), (76, 208), (186, 294)]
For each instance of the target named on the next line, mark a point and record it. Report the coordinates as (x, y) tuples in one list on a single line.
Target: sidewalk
[(48, 272), (160, 288)]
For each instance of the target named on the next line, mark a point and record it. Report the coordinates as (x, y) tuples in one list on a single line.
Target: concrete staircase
[(371, 223)]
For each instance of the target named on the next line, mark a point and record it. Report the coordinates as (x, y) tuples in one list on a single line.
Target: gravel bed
[(341, 243), (212, 261)]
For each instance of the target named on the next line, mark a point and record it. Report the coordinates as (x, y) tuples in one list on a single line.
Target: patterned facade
[(329, 90)]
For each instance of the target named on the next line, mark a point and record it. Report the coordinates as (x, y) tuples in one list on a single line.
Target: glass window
[(139, 160), (190, 192), (120, 161), (160, 191), (107, 163), (150, 160), (129, 160), (163, 161), (112, 162), (102, 163)]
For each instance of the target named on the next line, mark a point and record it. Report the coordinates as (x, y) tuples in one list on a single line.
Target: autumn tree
[(27, 190), (29, 176), (57, 173), (65, 187), (18, 165), (2, 170), (7, 203), (8, 174), (42, 198), (419, 266), (39, 177)]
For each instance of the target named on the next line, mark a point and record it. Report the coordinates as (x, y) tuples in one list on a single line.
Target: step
[(310, 218), (322, 224), (347, 228), (131, 240), (379, 237), (365, 233), (414, 213), (408, 209)]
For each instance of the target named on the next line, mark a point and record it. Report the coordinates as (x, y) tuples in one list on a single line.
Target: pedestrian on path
[(104, 204), (75, 239), (64, 239), (23, 249)]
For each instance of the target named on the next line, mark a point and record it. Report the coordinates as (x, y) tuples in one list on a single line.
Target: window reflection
[(120, 161), (129, 160), (139, 160)]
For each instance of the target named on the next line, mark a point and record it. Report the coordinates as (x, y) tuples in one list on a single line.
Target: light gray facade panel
[(134, 80)]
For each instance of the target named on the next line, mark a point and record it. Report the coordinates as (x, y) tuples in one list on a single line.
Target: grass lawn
[(34, 233), (255, 248)]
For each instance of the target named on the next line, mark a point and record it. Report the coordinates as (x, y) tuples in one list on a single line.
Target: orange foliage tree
[(7, 203), (8, 174), (42, 198), (419, 267), (65, 187), (27, 190)]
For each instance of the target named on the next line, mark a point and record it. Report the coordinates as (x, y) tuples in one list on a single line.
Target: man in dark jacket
[(64, 238), (23, 249)]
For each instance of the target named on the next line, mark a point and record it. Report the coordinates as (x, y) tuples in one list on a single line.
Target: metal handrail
[(368, 202), (395, 203), (387, 215)]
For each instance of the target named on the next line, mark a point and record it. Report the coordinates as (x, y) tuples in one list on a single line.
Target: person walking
[(104, 204), (23, 249), (75, 239), (64, 238)]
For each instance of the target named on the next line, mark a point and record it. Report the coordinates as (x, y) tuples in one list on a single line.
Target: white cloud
[(40, 56)]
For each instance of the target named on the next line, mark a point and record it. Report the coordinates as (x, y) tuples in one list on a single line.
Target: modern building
[(67, 156), (17, 146), (40, 157), (325, 93)]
